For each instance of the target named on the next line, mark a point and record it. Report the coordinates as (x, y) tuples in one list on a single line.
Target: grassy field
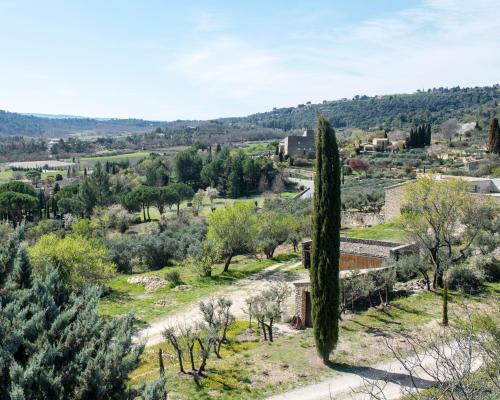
[(206, 208), (253, 369), (390, 231), (132, 157), (126, 297)]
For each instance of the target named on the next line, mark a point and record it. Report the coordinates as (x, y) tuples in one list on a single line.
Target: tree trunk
[(227, 262), (270, 330), (178, 207), (181, 365), (191, 357), (144, 213), (445, 303), (160, 360)]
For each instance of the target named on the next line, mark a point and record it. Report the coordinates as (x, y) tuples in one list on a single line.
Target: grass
[(252, 369), (137, 154), (206, 208), (126, 297), (390, 231)]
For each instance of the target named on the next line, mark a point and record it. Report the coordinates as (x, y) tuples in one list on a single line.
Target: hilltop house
[(296, 146)]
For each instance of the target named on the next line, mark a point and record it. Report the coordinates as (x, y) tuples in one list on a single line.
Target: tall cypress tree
[(494, 137), (325, 252)]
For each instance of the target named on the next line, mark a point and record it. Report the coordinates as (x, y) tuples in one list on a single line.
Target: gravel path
[(391, 377), (237, 293)]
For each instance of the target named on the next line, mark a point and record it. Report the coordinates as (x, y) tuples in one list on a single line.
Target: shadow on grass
[(371, 373)]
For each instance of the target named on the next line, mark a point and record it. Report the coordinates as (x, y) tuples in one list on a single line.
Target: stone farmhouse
[(355, 254), (296, 146), (394, 195), (377, 144)]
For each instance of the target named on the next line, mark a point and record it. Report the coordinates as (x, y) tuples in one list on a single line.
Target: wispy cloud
[(204, 22), (439, 43)]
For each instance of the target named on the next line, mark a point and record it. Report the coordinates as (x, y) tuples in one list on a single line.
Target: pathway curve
[(237, 293), (390, 376)]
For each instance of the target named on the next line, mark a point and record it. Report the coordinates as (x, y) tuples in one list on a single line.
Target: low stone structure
[(364, 255)]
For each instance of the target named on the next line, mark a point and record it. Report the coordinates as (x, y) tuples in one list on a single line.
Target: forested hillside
[(400, 110), (30, 125), (393, 111)]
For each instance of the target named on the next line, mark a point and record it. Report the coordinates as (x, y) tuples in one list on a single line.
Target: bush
[(45, 226), (489, 266), (467, 278), (174, 278)]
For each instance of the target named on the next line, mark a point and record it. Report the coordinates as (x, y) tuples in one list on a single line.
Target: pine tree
[(54, 344), (325, 251), (494, 137), (20, 277)]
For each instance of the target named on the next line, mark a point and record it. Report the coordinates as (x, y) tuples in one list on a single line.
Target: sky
[(167, 60)]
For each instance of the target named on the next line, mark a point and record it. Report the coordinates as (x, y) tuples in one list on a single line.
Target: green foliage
[(236, 174), (174, 278), (465, 277), (420, 136), (17, 201), (325, 252), (54, 345), (274, 229), (79, 261), (177, 240), (155, 169), (188, 165), (402, 110), (232, 230), (436, 210)]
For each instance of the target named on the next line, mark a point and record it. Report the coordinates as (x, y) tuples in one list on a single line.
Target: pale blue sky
[(204, 59)]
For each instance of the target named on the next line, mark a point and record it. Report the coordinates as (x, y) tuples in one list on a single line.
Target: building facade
[(299, 146)]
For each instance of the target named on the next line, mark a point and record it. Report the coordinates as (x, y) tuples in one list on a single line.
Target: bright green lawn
[(136, 154), (390, 231)]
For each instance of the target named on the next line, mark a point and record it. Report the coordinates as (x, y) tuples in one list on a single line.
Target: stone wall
[(394, 196), (357, 218)]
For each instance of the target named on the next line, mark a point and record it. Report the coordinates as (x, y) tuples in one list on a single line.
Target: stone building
[(394, 195), (301, 146), (363, 255)]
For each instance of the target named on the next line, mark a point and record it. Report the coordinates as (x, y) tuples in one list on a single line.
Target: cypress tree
[(325, 252), (494, 137)]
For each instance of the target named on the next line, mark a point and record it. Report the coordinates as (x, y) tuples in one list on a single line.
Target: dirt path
[(237, 293), (391, 376)]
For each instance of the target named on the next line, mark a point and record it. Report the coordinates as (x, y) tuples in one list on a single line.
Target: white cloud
[(205, 22), (440, 43)]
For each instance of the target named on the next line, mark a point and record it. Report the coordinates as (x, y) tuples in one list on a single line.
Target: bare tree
[(267, 307), (217, 316), (459, 363), (448, 129)]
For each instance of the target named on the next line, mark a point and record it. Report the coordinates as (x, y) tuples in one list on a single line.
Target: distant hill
[(391, 111), (30, 125)]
